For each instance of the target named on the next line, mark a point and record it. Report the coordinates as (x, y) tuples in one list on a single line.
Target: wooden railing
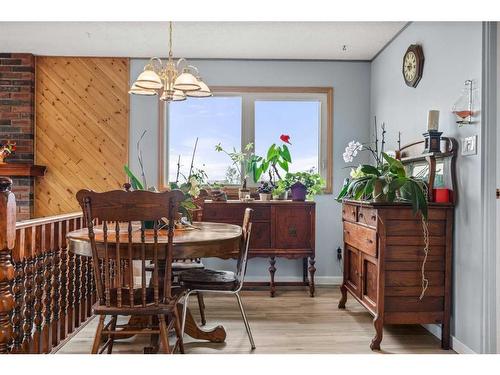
[(46, 292)]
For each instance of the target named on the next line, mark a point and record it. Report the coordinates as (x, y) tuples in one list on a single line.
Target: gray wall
[(350, 80), (452, 54)]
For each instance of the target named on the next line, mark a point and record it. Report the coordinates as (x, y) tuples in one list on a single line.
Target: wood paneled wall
[(81, 128)]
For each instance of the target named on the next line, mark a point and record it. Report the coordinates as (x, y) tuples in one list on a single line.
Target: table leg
[(216, 334)]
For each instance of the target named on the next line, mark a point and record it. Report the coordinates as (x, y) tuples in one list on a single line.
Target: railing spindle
[(7, 271)]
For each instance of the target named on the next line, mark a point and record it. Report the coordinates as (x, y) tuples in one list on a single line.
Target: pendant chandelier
[(163, 79)]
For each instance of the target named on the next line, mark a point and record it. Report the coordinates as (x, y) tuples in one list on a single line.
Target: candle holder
[(432, 141)]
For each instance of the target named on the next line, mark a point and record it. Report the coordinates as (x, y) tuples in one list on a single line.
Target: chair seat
[(207, 279), (186, 265)]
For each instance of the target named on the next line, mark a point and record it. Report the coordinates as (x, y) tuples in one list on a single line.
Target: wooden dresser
[(383, 257), (280, 229)]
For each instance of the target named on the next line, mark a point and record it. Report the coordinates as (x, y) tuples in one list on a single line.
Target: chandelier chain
[(170, 40)]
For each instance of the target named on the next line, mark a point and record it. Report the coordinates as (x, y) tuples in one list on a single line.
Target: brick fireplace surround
[(17, 90)]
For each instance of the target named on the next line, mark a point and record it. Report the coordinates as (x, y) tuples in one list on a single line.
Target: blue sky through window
[(219, 119), (212, 120), (298, 119)]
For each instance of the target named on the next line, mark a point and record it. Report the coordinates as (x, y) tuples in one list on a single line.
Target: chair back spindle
[(124, 216)]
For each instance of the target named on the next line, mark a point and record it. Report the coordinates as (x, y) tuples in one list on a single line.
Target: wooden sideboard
[(383, 257), (280, 229)]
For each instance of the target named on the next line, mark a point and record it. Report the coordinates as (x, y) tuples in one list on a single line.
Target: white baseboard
[(456, 344), (318, 280)]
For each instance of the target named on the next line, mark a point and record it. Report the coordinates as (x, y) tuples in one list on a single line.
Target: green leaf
[(283, 165), (369, 169), (134, 181), (369, 187), (271, 152), (285, 154)]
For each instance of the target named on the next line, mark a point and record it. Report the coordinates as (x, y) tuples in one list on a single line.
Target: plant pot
[(281, 197), (378, 193), (242, 193), (299, 191), (265, 196)]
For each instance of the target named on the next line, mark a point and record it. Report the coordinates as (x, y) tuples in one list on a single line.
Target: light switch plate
[(469, 145)]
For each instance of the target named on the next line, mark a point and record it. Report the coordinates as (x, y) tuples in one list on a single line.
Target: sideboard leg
[(272, 271), (305, 279), (343, 299), (312, 270), (378, 323)]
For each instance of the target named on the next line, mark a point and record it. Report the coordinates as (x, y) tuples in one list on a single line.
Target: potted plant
[(386, 181), (239, 171), (280, 192), (304, 184), (278, 157), (265, 191)]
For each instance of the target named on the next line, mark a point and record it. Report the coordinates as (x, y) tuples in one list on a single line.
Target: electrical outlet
[(339, 254), (469, 145)]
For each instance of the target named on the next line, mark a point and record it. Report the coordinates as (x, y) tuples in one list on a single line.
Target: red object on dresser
[(442, 195)]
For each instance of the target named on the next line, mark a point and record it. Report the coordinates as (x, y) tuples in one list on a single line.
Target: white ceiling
[(239, 40)]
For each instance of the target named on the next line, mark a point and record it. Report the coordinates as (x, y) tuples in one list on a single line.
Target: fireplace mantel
[(21, 170)]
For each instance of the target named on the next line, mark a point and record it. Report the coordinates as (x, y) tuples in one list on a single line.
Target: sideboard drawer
[(360, 237), (349, 212), (235, 212), (367, 216)]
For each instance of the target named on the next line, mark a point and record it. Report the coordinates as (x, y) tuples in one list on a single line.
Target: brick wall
[(17, 89)]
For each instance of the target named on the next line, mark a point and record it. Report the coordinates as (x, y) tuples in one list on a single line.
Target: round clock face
[(410, 66), (413, 65)]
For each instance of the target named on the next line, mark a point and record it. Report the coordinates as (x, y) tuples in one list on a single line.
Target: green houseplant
[(277, 157), (265, 191), (303, 184), (386, 181)]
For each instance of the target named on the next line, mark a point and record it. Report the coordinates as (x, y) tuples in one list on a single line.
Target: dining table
[(202, 240)]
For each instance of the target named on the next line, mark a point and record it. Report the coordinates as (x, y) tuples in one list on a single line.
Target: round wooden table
[(210, 240)]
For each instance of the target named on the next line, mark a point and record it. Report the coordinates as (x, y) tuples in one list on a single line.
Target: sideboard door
[(352, 265), (369, 277), (292, 227)]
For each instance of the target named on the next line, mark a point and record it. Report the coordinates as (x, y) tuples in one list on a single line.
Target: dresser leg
[(272, 271), (343, 299), (312, 270), (378, 323), (445, 335)]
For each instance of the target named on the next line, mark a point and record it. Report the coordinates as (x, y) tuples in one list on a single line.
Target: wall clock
[(413, 65)]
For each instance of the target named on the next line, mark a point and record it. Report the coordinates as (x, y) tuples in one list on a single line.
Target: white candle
[(433, 120)]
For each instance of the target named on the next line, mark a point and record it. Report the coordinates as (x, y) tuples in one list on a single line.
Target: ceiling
[(238, 40)]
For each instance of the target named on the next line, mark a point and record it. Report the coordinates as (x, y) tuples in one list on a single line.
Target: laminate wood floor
[(292, 322)]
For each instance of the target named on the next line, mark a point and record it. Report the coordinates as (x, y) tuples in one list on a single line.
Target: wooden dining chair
[(224, 282), (120, 244)]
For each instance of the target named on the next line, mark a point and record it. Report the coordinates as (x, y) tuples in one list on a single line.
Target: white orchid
[(351, 151)]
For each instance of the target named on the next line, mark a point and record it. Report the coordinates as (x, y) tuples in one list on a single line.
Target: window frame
[(248, 117)]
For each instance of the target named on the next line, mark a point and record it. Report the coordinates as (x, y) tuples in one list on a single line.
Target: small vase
[(378, 193), (265, 196), (299, 191)]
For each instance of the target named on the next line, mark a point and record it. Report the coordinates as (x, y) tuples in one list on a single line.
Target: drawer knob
[(374, 217), (369, 241), (360, 214)]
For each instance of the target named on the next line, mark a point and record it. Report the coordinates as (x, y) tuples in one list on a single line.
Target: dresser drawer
[(235, 212), (349, 212), (362, 238), (367, 216)]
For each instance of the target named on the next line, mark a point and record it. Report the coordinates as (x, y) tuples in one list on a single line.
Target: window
[(212, 120), (236, 116)]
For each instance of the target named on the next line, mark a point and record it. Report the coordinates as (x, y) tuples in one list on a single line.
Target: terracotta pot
[(378, 194), (299, 191)]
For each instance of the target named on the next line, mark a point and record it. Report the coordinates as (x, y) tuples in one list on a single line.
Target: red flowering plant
[(278, 157), (7, 149)]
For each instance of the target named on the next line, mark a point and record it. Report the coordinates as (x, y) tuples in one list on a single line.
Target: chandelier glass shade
[(166, 79)]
